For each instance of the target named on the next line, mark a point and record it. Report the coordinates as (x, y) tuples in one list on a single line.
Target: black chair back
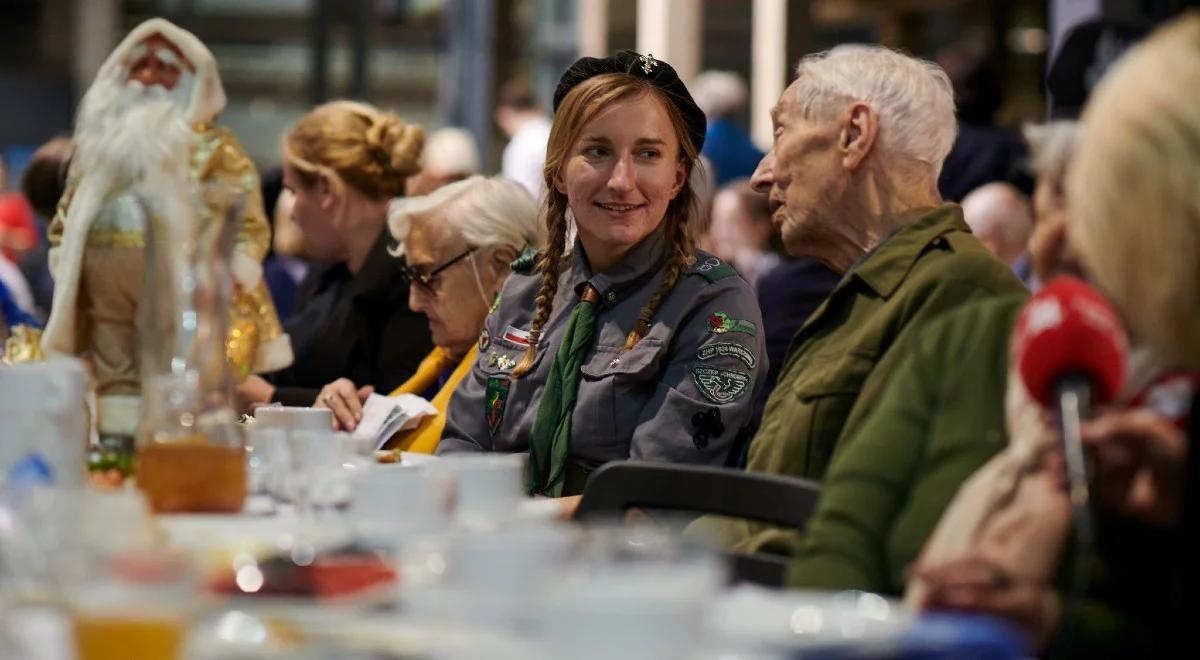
[(772, 499)]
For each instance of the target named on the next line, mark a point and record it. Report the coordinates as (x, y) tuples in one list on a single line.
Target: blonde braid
[(550, 264), (680, 251)]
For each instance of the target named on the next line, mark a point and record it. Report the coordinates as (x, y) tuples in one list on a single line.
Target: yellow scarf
[(424, 439)]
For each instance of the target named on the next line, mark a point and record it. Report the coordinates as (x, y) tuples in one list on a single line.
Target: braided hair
[(577, 108)]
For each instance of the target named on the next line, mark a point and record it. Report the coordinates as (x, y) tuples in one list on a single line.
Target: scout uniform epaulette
[(525, 262), (712, 269)]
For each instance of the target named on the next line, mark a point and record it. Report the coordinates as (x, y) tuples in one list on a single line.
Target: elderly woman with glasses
[(459, 242)]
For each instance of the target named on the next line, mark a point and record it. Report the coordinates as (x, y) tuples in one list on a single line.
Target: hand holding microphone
[(1069, 348)]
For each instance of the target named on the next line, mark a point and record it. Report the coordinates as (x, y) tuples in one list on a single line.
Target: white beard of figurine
[(135, 138)]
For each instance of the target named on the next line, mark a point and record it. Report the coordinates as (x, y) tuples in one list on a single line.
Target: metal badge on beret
[(658, 72)]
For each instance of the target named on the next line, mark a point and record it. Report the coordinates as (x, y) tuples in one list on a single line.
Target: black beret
[(659, 73)]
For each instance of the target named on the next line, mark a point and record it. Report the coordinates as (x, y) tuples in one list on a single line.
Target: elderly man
[(144, 137), (860, 137), (1000, 217)]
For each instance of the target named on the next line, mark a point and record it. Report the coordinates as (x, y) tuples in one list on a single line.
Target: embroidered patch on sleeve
[(738, 351), (485, 340), (495, 399), (720, 323), (720, 385)]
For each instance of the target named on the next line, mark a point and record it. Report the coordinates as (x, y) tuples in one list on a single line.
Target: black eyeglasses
[(428, 281)]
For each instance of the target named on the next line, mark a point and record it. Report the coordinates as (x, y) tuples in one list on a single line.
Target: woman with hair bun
[(626, 343), (344, 161)]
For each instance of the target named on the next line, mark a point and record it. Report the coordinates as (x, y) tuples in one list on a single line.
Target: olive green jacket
[(841, 358), (940, 419)]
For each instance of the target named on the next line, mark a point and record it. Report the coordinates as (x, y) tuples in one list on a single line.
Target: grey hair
[(486, 211), (719, 93), (1050, 146), (912, 97), (451, 150)]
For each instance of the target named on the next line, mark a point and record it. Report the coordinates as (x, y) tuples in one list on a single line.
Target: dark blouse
[(355, 326)]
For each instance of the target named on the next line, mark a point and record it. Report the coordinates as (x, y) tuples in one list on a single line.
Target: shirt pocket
[(829, 389), (613, 388)]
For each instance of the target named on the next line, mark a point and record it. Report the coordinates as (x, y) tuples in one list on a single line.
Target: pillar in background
[(97, 29), (670, 30), (593, 28), (469, 68), (769, 66)]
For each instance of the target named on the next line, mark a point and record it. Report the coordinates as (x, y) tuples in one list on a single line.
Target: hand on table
[(345, 399), (1139, 460), (976, 584)]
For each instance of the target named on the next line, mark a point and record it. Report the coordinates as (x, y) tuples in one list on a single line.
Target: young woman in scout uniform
[(628, 343)]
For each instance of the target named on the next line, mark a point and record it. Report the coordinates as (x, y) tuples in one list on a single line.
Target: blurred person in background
[(860, 138), (281, 281), (287, 244), (18, 235), (450, 155), (1000, 217), (145, 139), (628, 343), (1051, 146), (727, 145), (983, 152), (459, 242), (740, 231), (344, 161), (43, 183), (522, 119)]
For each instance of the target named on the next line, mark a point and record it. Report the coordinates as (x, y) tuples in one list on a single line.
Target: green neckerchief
[(551, 439)]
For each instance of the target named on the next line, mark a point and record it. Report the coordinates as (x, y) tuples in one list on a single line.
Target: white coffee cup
[(391, 502), (488, 488)]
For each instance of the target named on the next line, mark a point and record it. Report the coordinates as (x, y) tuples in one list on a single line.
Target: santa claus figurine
[(145, 144)]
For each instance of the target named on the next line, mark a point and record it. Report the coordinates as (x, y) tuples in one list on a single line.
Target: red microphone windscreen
[(1069, 328)]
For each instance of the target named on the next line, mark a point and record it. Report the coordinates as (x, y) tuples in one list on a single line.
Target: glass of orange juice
[(136, 608)]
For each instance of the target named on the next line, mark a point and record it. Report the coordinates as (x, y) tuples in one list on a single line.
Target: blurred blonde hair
[(1135, 205), (355, 144)]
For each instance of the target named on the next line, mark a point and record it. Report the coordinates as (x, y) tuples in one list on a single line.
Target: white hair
[(719, 93), (1050, 146), (486, 211), (912, 97), (451, 150)]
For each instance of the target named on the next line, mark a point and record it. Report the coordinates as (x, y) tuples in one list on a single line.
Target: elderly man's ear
[(860, 127)]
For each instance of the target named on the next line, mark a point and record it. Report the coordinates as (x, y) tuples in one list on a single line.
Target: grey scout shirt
[(682, 394)]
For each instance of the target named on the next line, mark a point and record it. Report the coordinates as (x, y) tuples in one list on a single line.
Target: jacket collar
[(643, 260), (884, 268)]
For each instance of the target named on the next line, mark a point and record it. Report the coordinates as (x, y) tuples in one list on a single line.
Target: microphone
[(1069, 347)]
